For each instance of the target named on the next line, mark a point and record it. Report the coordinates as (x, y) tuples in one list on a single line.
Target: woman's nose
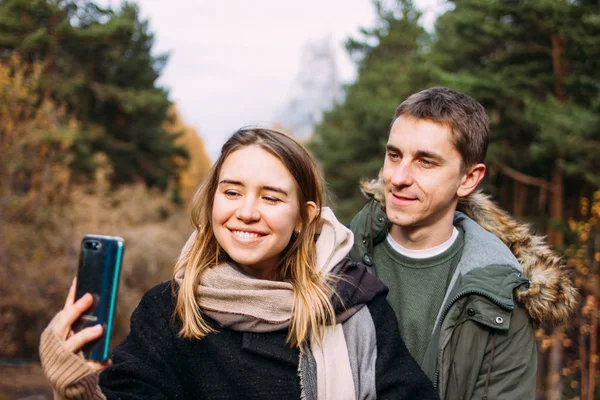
[(247, 211)]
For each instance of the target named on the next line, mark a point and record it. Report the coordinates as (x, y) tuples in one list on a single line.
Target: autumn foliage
[(581, 340)]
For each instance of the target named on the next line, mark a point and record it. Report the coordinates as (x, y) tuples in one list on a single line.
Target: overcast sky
[(233, 62)]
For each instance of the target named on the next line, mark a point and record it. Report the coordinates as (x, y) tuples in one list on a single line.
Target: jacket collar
[(549, 294)]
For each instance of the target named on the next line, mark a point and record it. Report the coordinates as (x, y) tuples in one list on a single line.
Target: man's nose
[(402, 175)]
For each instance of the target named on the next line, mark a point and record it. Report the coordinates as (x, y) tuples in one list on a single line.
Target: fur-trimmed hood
[(551, 297)]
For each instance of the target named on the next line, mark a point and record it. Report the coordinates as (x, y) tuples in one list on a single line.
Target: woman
[(263, 302)]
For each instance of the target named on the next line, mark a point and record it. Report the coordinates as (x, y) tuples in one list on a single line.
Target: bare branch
[(523, 178)]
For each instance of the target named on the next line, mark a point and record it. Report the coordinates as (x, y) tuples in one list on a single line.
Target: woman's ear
[(312, 210)]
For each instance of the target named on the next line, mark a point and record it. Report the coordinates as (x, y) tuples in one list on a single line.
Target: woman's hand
[(62, 322)]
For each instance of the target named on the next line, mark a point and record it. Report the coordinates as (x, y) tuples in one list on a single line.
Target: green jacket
[(483, 344)]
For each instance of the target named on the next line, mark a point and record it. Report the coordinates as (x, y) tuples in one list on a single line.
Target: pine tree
[(534, 65), (100, 64)]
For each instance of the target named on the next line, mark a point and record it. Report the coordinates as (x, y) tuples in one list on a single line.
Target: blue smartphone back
[(99, 269)]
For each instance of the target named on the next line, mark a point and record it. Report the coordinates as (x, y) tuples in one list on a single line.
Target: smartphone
[(98, 273)]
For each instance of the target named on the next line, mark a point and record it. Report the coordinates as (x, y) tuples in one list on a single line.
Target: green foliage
[(99, 63), (568, 130), (534, 65)]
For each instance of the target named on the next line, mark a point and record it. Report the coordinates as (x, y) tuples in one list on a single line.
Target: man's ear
[(311, 208), (471, 179)]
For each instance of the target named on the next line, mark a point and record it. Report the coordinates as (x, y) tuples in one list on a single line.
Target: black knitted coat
[(155, 363)]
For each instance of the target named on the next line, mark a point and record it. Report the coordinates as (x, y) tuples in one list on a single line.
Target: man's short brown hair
[(466, 118)]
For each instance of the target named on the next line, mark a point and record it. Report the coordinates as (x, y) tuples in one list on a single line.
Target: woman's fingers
[(83, 337), (74, 311), (61, 324), (71, 296), (97, 367)]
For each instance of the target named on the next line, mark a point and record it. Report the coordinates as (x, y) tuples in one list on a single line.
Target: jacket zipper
[(505, 305)]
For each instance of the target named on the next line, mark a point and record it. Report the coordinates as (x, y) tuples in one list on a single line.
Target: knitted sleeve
[(143, 365), (397, 374), (68, 373)]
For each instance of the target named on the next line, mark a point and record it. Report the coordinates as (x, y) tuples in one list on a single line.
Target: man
[(465, 307)]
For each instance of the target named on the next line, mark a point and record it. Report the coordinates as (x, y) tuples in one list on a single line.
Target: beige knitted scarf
[(241, 302)]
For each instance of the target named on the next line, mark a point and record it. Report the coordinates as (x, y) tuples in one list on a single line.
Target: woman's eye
[(271, 200), (231, 193)]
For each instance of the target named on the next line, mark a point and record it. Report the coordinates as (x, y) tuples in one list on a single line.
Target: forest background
[(89, 142)]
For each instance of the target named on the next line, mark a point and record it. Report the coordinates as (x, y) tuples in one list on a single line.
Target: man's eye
[(393, 156), (427, 163)]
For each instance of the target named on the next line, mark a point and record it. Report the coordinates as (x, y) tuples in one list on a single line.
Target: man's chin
[(399, 218)]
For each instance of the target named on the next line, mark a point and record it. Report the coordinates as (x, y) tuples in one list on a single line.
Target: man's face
[(422, 174)]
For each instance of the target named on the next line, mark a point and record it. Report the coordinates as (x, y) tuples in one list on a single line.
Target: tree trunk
[(540, 375), (555, 365), (555, 235), (593, 350), (559, 68), (582, 360), (556, 239), (595, 268), (519, 199)]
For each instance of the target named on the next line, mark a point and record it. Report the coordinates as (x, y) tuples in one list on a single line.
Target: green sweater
[(417, 288), (481, 318)]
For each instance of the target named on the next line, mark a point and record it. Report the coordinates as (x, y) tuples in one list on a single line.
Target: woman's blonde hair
[(312, 292)]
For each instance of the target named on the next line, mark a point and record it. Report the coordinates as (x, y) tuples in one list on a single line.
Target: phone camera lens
[(93, 245)]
